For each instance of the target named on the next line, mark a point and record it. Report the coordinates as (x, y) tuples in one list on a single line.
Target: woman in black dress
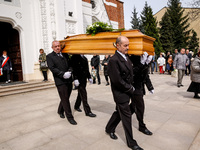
[(195, 76)]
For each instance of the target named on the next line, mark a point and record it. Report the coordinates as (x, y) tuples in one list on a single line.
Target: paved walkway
[(30, 122)]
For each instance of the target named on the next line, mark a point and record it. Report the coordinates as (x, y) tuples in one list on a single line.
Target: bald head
[(122, 44)]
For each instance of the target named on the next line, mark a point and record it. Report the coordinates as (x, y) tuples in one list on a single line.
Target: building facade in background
[(194, 23), (28, 25)]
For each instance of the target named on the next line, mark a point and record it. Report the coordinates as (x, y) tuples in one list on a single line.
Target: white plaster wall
[(87, 15), (114, 24)]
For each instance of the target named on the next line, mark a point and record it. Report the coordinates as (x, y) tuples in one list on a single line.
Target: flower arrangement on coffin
[(100, 27)]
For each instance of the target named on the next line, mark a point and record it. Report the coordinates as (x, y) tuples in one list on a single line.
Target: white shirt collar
[(123, 55)]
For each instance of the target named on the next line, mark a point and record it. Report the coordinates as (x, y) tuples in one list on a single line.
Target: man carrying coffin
[(61, 71), (120, 72)]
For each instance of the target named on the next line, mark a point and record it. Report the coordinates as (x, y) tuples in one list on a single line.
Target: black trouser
[(6, 74), (44, 75), (98, 77), (187, 69), (137, 106), (123, 113), (64, 91), (82, 95), (106, 77)]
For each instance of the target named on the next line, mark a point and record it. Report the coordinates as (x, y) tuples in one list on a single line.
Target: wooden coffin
[(102, 43)]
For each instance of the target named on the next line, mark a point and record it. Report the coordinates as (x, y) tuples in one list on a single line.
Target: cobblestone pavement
[(30, 121)]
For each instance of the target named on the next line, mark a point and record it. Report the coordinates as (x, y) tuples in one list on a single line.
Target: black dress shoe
[(72, 121), (196, 96), (112, 135), (91, 115), (146, 131), (181, 85), (78, 109), (178, 86), (137, 148), (62, 115)]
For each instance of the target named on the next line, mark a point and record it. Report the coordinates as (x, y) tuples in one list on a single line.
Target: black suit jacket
[(58, 66), (8, 64), (95, 61), (120, 72), (141, 76), (80, 68)]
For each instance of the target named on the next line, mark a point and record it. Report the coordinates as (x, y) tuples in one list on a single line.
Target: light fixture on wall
[(70, 14)]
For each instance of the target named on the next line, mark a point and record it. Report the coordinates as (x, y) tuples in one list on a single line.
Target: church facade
[(28, 25)]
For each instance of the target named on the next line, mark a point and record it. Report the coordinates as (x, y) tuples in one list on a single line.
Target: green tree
[(135, 21), (166, 34), (179, 24), (193, 43), (150, 27)]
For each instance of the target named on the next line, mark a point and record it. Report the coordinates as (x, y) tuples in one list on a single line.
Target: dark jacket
[(58, 66), (95, 61), (80, 68), (189, 57), (105, 69), (8, 64), (141, 76), (121, 75)]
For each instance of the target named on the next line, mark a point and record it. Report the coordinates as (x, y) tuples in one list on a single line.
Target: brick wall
[(116, 14), (87, 1), (120, 10)]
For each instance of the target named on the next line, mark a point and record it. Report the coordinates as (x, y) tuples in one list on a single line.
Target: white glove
[(11, 69), (143, 58), (67, 75), (149, 59), (76, 83), (151, 92), (91, 81), (133, 89)]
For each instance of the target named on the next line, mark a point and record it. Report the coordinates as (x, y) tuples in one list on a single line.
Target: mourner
[(141, 78), (105, 69), (61, 71), (43, 68), (81, 74), (120, 72), (95, 61), (195, 76), (180, 62)]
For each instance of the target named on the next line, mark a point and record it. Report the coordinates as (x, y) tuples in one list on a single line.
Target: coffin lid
[(102, 43)]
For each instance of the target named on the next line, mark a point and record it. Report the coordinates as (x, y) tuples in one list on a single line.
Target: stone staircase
[(10, 89)]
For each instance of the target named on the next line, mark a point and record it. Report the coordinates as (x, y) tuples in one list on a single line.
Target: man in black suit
[(120, 72), (95, 61), (141, 78), (61, 71), (81, 74)]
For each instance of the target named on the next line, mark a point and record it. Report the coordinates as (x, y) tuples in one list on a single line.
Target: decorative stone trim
[(53, 22), (18, 15), (44, 24)]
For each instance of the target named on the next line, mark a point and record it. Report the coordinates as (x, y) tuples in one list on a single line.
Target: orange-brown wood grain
[(102, 43)]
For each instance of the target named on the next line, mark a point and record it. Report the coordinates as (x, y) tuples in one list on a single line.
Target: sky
[(156, 5)]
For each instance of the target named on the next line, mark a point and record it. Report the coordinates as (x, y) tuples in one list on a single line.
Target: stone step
[(25, 87), (20, 84)]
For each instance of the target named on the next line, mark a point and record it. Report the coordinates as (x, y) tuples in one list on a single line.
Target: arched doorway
[(9, 41)]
